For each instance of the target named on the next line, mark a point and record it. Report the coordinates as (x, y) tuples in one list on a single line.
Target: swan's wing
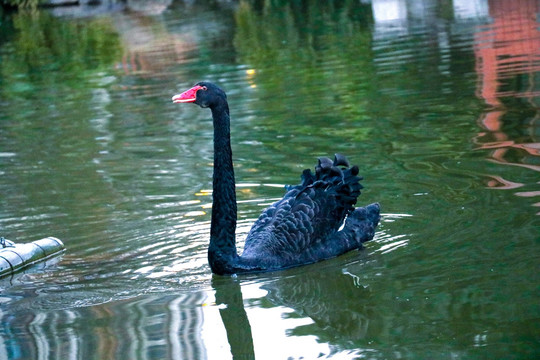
[(309, 213)]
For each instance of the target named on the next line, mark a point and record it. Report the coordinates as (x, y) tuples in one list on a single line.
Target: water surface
[(437, 102)]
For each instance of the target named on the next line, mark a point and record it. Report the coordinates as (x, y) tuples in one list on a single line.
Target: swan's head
[(205, 94)]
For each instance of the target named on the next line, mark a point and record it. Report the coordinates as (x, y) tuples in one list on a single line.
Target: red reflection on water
[(508, 66), (509, 46)]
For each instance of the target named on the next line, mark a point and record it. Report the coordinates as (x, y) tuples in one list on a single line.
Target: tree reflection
[(47, 49), (48, 79), (289, 46)]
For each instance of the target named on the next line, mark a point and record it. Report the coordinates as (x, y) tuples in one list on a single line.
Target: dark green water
[(436, 101)]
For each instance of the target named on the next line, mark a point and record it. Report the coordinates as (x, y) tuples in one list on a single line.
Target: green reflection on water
[(291, 51), (48, 52)]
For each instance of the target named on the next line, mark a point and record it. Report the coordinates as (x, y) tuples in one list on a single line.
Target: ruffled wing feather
[(297, 228)]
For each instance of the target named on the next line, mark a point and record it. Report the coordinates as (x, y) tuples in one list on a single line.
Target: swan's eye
[(204, 88)]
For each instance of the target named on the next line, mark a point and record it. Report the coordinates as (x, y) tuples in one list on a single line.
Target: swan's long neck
[(222, 250)]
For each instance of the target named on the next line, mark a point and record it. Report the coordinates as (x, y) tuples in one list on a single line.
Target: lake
[(436, 101)]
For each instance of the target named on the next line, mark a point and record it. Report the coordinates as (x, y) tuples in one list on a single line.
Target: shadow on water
[(234, 317)]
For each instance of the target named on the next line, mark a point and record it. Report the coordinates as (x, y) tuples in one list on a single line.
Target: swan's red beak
[(187, 96)]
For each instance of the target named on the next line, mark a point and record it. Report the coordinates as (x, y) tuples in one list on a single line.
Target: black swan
[(315, 220)]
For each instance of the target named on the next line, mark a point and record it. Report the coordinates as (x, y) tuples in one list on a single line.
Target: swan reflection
[(321, 301)]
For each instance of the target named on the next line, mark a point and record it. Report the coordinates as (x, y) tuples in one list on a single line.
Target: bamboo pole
[(14, 257)]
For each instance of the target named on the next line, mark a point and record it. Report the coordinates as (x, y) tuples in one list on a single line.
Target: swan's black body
[(315, 220)]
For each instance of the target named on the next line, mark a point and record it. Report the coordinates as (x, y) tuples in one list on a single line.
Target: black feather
[(340, 160)]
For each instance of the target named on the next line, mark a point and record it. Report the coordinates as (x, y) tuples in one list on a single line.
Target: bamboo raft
[(15, 257)]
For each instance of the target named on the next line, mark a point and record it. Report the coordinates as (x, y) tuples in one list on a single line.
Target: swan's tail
[(360, 225)]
